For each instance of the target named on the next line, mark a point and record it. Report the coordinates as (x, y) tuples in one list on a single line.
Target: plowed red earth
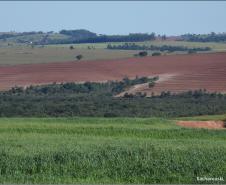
[(177, 72), (202, 124)]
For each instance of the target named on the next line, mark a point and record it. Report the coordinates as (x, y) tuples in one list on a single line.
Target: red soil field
[(177, 72), (202, 124)]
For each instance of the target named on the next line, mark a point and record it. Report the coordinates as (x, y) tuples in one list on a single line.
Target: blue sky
[(171, 18)]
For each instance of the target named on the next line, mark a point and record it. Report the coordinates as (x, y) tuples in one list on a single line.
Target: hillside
[(68, 37), (176, 72), (85, 36)]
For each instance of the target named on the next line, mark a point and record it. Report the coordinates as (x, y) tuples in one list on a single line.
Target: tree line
[(86, 36), (98, 100), (14, 34), (136, 37), (168, 48), (82, 36), (212, 37)]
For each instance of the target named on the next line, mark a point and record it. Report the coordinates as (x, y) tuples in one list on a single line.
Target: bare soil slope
[(177, 73), (202, 124)]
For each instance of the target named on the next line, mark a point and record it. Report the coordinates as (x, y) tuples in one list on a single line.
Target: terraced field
[(177, 73)]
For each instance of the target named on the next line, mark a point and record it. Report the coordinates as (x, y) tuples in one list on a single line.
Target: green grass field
[(24, 54), (215, 46), (27, 55), (108, 150)]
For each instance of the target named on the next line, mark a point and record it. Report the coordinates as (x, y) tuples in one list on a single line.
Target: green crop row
[(108, 150)]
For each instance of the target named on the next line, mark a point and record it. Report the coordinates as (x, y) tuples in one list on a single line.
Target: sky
[(114, 17)]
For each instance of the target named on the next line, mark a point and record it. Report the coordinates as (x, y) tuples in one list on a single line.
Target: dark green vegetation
[(156, 54), (141, 54), (215, 46), (84, 36), (98, 100), (212, 37), (108, 150), (78, 34), (136, 37), (168, 48), (79, 57)]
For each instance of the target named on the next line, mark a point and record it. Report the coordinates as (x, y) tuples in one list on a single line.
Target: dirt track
[(177, 73)]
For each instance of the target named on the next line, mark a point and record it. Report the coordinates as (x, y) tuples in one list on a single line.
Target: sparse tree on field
[(143, 53), (156, 54), (79, 57), (190, 51)]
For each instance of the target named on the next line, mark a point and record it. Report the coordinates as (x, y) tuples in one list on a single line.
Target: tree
[(191, 51), (151, 84), (143, 53), (164, 37), (79, 57), (156, 54)]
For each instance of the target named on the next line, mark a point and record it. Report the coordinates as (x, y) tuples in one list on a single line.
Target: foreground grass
[(108, 150)]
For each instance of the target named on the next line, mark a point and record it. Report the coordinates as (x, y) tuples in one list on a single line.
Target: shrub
[(79, 57), (151, 84), (156, 54), (191, 51), (143, 53)]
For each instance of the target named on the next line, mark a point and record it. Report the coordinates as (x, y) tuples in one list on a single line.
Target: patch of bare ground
[(177, 73), (203, 124), (144, 88)]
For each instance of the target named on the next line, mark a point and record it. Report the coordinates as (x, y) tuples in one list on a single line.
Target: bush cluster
[(98, 99), (168, 48)]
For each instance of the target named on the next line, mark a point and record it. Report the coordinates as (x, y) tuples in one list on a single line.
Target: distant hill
[(70, 37), (79, 34), (85, 36)]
